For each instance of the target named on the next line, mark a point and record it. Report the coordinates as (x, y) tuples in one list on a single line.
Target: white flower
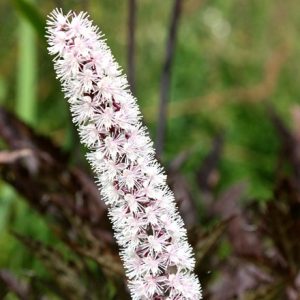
[(155, 243), (112, 145), (133, 203), (151, 234), (89, 135), (151, 265), (183, 286), (130, 177), (82, 110), (152, 214), (105, 118)]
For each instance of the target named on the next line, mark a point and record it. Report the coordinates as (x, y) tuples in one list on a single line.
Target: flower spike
[(153, 243)]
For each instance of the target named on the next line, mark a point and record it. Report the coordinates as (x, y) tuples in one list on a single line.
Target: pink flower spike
[(153, 243)]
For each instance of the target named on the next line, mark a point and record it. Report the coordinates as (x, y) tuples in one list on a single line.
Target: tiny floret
[(153, 243)]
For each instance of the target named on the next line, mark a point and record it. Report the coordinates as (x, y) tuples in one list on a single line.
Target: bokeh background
[(233, 94)]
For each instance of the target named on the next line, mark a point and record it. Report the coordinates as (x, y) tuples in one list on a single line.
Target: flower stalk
[(153, 242)]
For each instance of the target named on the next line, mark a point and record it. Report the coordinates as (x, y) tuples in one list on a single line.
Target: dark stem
[(131, 43), (166, 77)]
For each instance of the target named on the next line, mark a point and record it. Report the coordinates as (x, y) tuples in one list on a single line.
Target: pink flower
[(153, 243)]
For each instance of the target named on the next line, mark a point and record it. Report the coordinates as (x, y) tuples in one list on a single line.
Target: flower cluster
[(153, 242)]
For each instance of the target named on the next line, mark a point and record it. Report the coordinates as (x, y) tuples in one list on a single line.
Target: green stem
[(27, 73)]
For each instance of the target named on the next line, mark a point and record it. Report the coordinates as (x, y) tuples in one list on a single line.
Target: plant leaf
[(208, 240), (269, 292), (68, 274)]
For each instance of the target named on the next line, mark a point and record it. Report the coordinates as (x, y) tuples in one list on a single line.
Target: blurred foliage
[(233, 59)]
